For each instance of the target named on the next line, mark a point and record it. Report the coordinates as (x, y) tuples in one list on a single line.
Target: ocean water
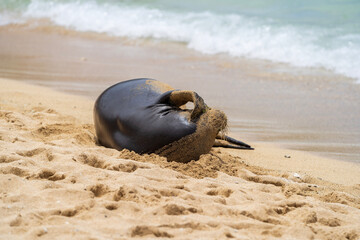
[(319, 33)]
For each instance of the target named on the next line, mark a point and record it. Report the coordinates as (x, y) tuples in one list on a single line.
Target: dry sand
[(56, 183)]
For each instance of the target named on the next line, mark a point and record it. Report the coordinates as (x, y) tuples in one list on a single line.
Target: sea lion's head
[(217, 120), (209, 122)]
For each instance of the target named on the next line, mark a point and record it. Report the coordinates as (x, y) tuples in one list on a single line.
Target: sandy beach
[(302, 181), (58, 184)]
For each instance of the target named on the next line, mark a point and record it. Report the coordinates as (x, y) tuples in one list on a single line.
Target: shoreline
[(57, 183), (314, 112)]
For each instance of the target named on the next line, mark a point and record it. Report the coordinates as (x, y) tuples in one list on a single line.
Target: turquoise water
[(301, 33)]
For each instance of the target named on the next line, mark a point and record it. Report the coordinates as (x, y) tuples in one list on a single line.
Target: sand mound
[(57, 183)]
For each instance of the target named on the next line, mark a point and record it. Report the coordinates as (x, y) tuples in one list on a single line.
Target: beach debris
[(287, 156), (296, 175)]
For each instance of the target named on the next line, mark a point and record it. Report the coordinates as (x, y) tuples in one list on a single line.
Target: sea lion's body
[(145, 116), (134, 115)]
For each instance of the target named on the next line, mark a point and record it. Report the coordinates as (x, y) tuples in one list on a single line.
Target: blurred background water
[(320, 33)]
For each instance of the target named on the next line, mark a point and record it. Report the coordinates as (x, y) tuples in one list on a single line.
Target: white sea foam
[(207, 32), (7, 18)]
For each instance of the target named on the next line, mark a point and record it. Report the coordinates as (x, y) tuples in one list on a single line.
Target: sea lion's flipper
[(229, 142), (179, 98), (237, 142)]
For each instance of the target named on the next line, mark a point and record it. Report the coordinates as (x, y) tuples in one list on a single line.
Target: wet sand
[(57, 183), (304, 109)]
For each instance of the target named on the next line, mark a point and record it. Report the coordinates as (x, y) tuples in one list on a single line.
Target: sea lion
[(148, 116)]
